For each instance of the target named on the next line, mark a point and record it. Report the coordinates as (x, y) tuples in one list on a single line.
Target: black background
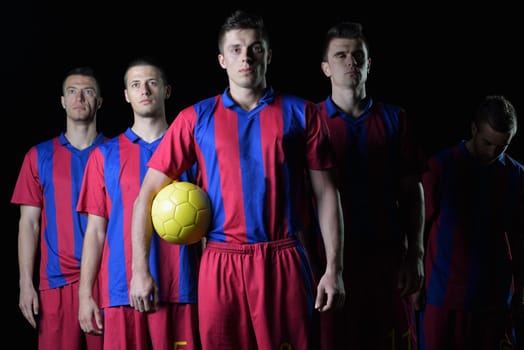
[(434, 59)]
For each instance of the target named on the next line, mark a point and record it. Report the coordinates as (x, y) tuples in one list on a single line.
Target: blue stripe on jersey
[(46, 170), (188, 264), (204, 136), (444, 241), (78, 164), (358, 150), (145, 151), (309, 283), (116, 277), (253, 173), (294, 123), (392, 123)]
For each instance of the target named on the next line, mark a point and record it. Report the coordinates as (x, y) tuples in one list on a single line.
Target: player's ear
[(99, 101), (474, 128), (168, 91), (325, 69), (221, 61)]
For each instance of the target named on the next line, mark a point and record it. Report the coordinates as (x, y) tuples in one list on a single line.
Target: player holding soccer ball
[(253, 147), (111, 183)]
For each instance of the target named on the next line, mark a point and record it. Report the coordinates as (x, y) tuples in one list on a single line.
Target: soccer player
[(475, 236), (253, 146), (111, 183), (379, 178), (47, 191)]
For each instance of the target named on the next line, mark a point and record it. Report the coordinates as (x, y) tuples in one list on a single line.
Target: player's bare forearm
[(411, 204), (330, 292)]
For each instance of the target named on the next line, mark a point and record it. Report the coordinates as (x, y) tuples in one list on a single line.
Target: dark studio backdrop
[(434, 60)]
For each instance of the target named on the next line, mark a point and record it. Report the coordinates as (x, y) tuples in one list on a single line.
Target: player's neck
[(350, 101), (247, 98), (81, 136), (149, 129)]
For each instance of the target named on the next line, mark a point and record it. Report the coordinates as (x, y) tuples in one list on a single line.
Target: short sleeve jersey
[(471, 212), (112, 181), (252, 162), (50, 179), (373, 152)]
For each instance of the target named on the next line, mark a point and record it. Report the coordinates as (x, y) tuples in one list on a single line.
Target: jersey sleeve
[(92, 198), (319, 151), (176, 152), (28, 188)]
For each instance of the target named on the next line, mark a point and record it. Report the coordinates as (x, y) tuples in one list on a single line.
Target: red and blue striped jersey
[(50, 179), (373, 152), (471, 212), (252, 162), (111, 184)]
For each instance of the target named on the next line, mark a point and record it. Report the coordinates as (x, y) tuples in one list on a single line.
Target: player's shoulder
[(48, 141), (109, 144), (295, 102), (46, 146), (292, 98), (450, 154), (390, 107), (514, 162), (204, 104), (112, 140), (208, 100)]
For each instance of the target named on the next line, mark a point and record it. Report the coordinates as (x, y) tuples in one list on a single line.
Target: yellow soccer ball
[(181, 212)]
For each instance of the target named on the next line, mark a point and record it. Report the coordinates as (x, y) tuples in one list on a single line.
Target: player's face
[(245, 58), (146, 91), (347, 63), (489, 144), (80, 98)]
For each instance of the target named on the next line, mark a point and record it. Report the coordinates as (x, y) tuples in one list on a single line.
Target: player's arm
[(143, 288), (411, 204), (330, 289), (28, 237), (516, 239), (517, 252), (91, 256)]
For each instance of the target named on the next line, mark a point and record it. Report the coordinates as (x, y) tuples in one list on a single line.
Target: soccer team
[(330, 228)]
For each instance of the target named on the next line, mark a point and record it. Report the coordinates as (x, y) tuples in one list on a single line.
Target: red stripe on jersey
[(226, 130)]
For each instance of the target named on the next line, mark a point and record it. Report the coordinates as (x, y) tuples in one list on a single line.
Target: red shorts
[(58, 326), (255, 296), (172, 326), (375, 316), (442, 328)]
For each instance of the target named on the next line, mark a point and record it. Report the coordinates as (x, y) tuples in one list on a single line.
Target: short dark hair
[(240, 19), (345, 30), (84, 71), (498, 112), (146, 61)]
